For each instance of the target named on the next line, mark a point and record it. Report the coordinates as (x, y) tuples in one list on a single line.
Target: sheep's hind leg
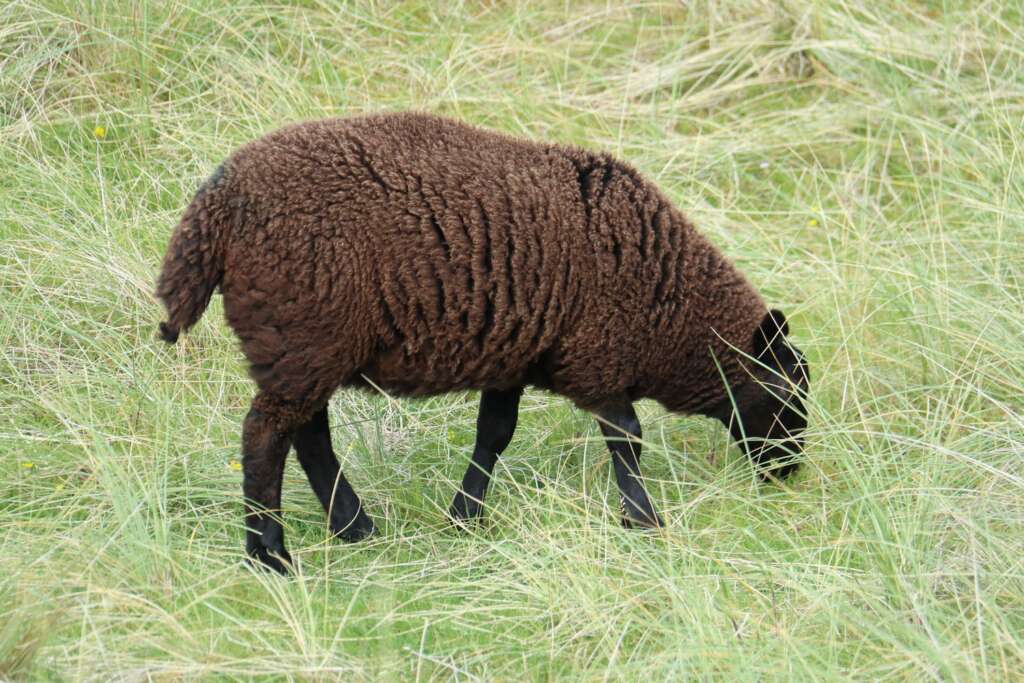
[(495, 424), (264, 449), (345, 513), (622, 433)]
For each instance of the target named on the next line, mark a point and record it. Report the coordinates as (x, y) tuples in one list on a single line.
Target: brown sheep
[(423, 256)]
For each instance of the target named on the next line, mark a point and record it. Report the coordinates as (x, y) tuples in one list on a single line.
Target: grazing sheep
[(422, 255)]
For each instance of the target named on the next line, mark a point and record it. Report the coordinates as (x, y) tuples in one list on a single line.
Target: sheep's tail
[(194, 262)]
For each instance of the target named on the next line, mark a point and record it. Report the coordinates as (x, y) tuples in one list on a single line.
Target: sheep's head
[(765, 412)]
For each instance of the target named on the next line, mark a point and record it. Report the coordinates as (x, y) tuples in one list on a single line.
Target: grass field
[(861, 161)]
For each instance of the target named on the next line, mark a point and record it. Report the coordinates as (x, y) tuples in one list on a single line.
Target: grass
[(861, 161)]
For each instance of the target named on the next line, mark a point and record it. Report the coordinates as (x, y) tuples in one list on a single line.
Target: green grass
[(861, 161)]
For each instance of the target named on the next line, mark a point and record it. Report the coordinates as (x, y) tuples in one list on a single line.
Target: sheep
[(421, 255)]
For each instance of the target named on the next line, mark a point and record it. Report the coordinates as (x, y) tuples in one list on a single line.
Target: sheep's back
[(421, 253)]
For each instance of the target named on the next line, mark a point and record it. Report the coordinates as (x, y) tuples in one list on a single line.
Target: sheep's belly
[(400, 373)]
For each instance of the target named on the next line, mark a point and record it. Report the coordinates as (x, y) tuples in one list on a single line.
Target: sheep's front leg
[(621, 430), (345, 513), (495, 424), (264, 449)]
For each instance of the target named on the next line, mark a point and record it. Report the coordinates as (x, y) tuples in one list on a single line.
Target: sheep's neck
[(714, 312)]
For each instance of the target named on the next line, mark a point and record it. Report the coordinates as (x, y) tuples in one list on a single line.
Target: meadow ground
[(860, 160)]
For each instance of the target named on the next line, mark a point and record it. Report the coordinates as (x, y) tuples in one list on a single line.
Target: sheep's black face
[(765, 413)]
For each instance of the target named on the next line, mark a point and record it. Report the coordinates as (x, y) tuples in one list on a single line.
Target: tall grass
[(861, 161)]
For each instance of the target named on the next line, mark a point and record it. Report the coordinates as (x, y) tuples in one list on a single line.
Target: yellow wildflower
[(235, 465), (28, 465), (100, 132)]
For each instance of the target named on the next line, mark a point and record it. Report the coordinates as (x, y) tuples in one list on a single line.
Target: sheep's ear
[(772, 329)]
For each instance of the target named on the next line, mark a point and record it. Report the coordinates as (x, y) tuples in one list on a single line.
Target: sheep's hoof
[(465, 511), (779, 472), (633, 523), (356, 529), (634, 518), (278, 560)]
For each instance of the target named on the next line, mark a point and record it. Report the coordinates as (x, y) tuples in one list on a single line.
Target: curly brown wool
[(431, 256), (423, 255)]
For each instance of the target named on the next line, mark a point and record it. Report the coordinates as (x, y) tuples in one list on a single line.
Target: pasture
[(860, 161)]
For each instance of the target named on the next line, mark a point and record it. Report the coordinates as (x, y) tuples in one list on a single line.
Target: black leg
[(495, 424), (264, 450), (345, 513), (622, 433)]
